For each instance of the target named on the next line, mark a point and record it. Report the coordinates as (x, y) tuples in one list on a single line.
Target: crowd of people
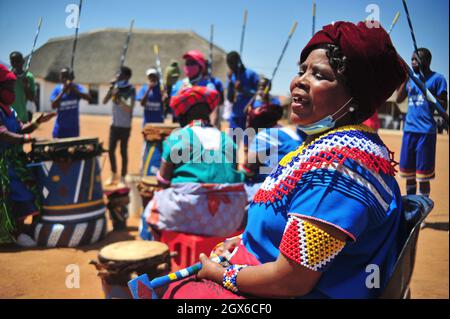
[(323, 199)]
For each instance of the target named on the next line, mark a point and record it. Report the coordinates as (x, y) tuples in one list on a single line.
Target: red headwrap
[(188, 97), (198, 57), (373, 68), (6, 97)]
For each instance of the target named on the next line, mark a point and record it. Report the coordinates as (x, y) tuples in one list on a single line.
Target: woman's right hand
[(227, 246)]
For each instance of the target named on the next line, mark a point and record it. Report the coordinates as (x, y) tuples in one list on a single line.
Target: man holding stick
[(25, 88), (123, 96), (418, 152), (65, 98)]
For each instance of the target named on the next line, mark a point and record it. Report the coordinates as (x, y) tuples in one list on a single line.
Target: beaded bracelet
[(230, 276), (26, 138)]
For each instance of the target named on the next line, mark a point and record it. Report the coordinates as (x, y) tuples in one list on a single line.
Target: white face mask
[(326, 123)]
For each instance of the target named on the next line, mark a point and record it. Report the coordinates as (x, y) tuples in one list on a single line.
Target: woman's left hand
[(45, 117), (210, 270)]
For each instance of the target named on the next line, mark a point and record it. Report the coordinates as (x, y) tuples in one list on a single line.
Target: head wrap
[(373, 68), (6, 97), (189, 97), (198, 57), (265, 116), (172, 72)]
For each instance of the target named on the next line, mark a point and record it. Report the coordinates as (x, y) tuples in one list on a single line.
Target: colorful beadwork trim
[(357, 143), (308, 245), (230, 276)]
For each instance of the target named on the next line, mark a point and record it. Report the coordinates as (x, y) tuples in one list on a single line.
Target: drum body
[(68, 178), (152, 158), (118, 200), (120, 262), (154, 135)]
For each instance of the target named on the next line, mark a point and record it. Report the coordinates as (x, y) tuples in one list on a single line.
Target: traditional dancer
[(332, 206), (19, 197), (199, 172)]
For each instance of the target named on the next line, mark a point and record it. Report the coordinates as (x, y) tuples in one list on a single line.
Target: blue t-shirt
[(249, 82), (271, 145), (364, 204), (419, 118), (153, 109), (67, 117)]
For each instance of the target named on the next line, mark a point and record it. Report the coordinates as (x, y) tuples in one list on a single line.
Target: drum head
[(132, 250)]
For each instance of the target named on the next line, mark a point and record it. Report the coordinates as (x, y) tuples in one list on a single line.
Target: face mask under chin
[(325, 123)]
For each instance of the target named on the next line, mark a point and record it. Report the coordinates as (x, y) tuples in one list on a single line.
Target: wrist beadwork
[(230, 276)]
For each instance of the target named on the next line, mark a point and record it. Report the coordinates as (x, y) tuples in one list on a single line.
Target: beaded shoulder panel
[(357, 142)]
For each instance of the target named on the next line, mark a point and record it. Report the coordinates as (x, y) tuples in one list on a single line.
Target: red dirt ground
[(41, 273)]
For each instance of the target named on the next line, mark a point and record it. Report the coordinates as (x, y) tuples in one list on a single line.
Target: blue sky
[(268, 25)]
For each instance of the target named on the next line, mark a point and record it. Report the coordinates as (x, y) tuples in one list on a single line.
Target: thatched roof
[(403, 106), (98, 54)]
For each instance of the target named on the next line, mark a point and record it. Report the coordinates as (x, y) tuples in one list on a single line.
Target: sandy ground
[(41, 273)]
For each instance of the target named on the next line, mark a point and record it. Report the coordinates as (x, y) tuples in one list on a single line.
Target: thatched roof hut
[(98, 53)]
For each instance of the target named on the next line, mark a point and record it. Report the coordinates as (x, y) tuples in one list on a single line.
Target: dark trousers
[(121, 134)]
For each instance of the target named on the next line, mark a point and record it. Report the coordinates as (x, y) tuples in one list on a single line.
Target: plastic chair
[(416, 208)]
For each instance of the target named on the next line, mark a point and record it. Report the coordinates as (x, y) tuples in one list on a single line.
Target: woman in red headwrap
[(331, 210), (204, 193), (18, 193)]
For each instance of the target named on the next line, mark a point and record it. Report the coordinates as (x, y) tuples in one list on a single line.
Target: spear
[(211, 37), (394, 22), (72, 60), (314, 18), (158, 64), (34, 45), (125, 46), (244, 25), (294, 26), (429, 96)]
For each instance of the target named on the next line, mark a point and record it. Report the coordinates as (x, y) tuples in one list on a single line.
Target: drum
[(117, 205), (120, 262), (68, 178), (147, 187), (154, 135)]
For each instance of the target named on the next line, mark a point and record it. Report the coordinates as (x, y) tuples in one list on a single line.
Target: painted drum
[(68, 178), (154, 135), (120, 262)]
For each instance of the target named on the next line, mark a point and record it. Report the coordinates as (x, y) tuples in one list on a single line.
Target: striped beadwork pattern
[(355, 142), (308, 245)]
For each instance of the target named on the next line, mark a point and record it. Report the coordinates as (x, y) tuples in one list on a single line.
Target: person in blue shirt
[(418, 151), (150, 98), (65, 98), (242, 85)]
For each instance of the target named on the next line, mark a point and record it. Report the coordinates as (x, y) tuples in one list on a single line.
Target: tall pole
[(74, 47), (314, 18), (158, 65), (294, 26), (211, 46), (125, 46), (394, 22), (244, 25), (34, 45)]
